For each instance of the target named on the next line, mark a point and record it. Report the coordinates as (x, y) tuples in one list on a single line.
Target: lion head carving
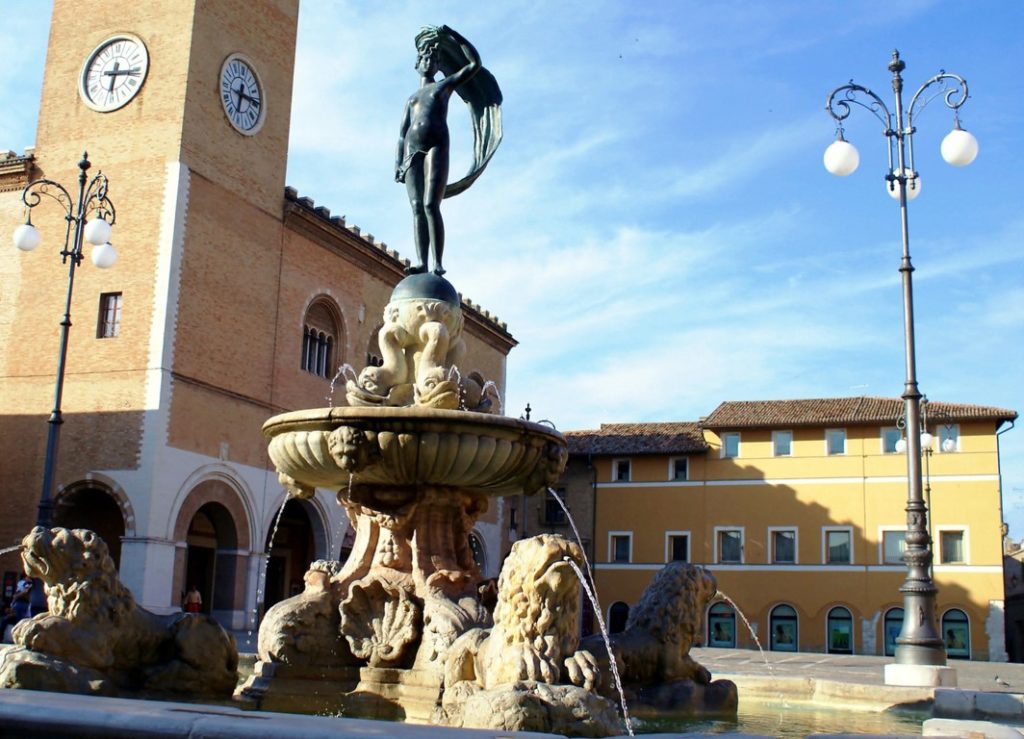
[(671, 609), (538, 592), (80, 576)]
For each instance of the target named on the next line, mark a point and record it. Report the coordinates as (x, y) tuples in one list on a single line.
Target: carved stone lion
[(95, 628), (526, 673), (652, 653), (535, 630)]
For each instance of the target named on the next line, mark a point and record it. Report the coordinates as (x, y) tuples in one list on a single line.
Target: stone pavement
[(1002, 677)]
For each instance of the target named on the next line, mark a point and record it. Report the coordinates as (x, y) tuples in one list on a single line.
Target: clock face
[(114, 72), (241, 94)]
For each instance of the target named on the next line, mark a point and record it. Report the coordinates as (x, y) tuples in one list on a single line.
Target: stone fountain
[(398, 630)]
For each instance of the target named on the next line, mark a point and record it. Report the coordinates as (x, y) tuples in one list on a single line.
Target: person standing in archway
[(193, 600)]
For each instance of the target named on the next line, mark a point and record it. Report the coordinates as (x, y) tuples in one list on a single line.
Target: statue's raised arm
[(421, 161)]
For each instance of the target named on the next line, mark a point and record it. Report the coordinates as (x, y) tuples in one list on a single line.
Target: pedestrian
[(193, 600)]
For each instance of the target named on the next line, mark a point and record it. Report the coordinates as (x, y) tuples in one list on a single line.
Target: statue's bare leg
[(414, 183), (435, 167)]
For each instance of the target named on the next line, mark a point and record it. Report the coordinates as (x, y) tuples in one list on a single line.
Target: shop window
[(892, 625), (840, 631), (956, 633), (721, 626), (783, 625)]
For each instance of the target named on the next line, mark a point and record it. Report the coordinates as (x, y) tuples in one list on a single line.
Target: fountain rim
[(411, 417)]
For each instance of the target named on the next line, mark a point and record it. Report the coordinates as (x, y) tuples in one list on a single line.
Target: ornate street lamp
[(920, 653), (92, 201)]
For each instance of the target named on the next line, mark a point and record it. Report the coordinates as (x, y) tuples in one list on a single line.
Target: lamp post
[(919, 644), (92, 200)]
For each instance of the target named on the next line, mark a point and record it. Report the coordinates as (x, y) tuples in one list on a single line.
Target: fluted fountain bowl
[(414, 446)]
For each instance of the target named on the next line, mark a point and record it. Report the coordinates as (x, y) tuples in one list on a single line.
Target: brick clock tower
[(185, 107)]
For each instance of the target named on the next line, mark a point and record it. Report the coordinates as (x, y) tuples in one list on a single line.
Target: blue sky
[(657, 228)]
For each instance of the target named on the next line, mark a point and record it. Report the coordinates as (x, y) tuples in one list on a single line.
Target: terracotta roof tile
[(683, 437), (835, 411)]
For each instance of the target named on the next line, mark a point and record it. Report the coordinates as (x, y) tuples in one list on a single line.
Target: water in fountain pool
[(10, 549), (771, 718)]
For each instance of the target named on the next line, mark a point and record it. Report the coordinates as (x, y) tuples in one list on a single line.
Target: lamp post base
[(927, 676)]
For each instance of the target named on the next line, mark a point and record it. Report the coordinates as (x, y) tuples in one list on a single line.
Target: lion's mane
[(94, 623)]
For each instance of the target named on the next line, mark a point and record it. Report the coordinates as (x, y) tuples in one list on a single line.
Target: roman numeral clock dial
[(241, 94), (113, 73)]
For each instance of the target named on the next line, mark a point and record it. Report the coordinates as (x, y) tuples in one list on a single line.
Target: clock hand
[(113, 75)]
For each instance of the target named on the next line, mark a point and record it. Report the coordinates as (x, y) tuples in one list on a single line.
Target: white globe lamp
[(97, 232), (959, 148), (913, 185), (104, 256), (841, 157), (26, 237)]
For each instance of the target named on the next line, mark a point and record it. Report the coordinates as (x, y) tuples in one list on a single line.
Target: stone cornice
[(15, 171)]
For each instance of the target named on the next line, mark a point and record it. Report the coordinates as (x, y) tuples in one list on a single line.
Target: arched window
[(374, 356), (617, 616), (320, 339), (893, 624), (783, 628), (956, 633), (477, 548), (840, 631), (721, 625)]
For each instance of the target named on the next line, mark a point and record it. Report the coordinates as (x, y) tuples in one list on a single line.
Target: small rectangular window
[(838, 547), (730, 546), (894, 543), (554, 514), (109, 323), (949, 438), (621, 546), (679, 548), (731, 444), (890, 438), (680, 469), (621, 470), (784, 547), (835, 441), (782, 443), (951, 547)]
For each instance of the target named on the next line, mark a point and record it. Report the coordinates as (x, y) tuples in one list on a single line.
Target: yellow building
[(798, 509)]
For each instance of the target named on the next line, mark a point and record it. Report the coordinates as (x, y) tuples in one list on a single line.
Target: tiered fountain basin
[(412, 447)]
